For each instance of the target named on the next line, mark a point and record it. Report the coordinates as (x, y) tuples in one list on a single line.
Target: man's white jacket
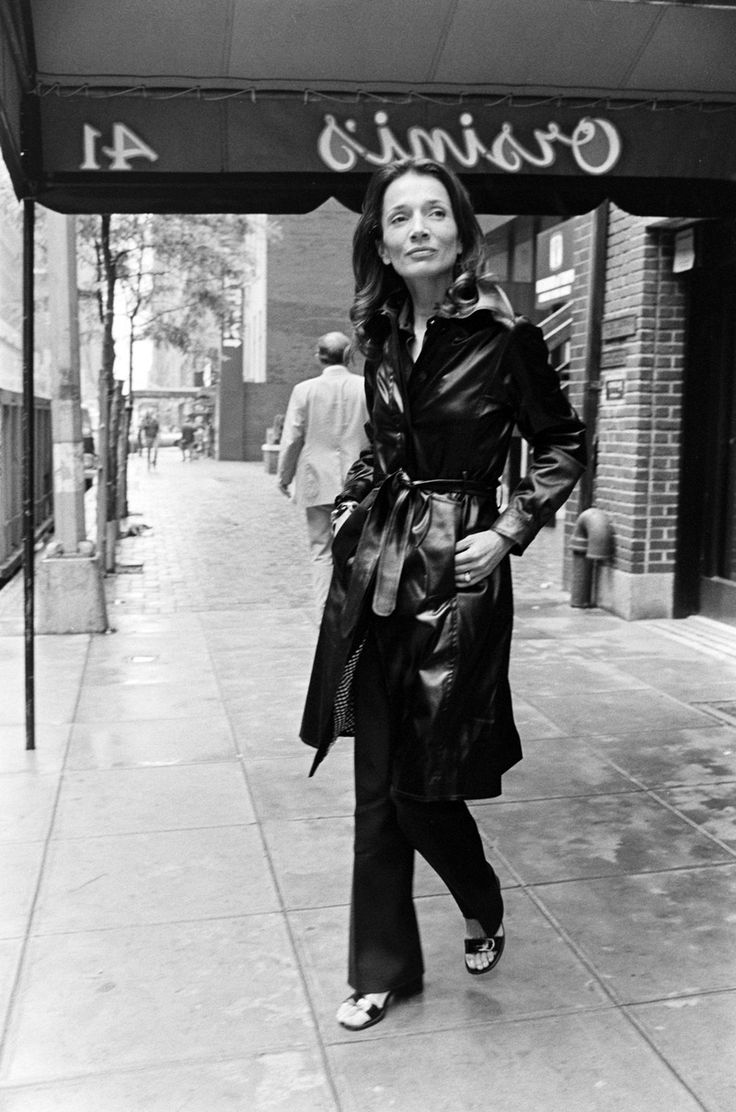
[(323, 435)]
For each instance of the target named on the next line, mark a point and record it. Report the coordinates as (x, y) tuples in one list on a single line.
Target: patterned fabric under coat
[(440, 430)]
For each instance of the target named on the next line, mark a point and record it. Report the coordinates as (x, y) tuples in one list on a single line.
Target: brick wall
[(641, 396), (637, 454)]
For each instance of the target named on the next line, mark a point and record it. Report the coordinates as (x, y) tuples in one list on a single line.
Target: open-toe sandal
[(374, 1013), (493, 946)]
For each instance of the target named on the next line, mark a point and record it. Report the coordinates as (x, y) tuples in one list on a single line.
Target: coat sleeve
[(292, 436), (555, 433)]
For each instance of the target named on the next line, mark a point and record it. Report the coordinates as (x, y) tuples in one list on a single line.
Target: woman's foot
[(362, 1010), (482, 953)]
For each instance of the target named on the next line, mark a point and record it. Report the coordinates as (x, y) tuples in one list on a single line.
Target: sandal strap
[(371, 1010), (480, 945)]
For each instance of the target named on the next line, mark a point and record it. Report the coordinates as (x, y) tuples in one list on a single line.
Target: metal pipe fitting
[(592, 542)]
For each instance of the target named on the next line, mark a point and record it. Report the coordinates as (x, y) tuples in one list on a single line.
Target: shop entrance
[(707, 581)]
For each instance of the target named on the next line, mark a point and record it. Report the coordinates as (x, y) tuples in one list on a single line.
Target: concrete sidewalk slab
[(558, 1064), (174, 917)]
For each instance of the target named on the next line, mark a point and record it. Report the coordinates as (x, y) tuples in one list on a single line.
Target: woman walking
[(414, 645)]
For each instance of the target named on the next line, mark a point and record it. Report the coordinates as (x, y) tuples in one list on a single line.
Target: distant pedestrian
[(199, 441), (323, 434), (186, 441), (150, 440)]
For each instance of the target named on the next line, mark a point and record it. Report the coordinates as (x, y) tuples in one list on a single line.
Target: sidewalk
[(173, 907)]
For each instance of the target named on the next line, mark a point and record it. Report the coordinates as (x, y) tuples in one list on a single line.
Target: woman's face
[(419, 236)]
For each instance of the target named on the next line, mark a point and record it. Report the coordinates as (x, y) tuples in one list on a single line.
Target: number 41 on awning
[(126, 146)]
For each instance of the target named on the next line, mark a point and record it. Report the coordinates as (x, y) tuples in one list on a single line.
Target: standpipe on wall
[(592, 543)]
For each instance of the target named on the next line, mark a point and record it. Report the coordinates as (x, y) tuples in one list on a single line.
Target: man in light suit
[(323, 435)]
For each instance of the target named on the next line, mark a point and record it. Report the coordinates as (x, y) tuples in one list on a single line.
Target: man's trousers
[(319, 534)]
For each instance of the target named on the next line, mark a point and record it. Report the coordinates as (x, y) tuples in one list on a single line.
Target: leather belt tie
[(396, 522)]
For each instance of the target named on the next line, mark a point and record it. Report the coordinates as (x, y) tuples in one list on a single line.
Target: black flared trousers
[(385, 949)]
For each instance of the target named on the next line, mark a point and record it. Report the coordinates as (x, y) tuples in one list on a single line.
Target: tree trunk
[(119, 423), (103, 437), (124, 509), (107, 487)]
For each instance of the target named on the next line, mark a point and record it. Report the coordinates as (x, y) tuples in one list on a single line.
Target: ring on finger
[(467, 576)]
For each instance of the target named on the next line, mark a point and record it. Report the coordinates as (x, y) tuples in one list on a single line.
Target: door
[(707, 534)]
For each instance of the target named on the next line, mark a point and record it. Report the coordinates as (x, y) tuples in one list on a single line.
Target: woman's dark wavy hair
[(374, 281)]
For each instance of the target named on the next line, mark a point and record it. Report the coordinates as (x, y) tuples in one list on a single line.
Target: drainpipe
[(593, 333)]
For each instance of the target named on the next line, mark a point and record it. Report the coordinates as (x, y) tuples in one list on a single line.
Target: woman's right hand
[(478, 555)]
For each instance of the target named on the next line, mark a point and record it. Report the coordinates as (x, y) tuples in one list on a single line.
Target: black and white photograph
[(367, 556)]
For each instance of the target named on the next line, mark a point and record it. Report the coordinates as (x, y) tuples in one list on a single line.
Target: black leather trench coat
[(439, 433)]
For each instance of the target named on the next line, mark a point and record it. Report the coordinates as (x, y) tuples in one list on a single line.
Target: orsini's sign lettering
[(594, 143), (280, 136)]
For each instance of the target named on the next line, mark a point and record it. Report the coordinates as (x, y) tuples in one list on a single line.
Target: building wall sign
[(619, 327), (614, 357), (132, 134), (615, 389), (615, 330), (555, 272)]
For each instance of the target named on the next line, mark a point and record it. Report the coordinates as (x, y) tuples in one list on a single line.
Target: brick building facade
[(639, 419), (635, 378), (660, 398)]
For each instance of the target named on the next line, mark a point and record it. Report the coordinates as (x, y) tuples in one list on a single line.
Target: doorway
[(706, 580)]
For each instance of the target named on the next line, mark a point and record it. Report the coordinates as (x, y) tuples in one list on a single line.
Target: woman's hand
[(477, 555)]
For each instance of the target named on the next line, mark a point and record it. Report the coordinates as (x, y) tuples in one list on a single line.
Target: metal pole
[(29, 477)]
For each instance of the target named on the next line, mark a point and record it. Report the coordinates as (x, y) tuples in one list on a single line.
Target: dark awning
[(252, 105)]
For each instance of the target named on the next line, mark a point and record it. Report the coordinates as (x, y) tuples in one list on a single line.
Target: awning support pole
[(29, 477)]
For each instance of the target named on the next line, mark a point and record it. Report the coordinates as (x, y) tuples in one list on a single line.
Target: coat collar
[(396, 310)]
